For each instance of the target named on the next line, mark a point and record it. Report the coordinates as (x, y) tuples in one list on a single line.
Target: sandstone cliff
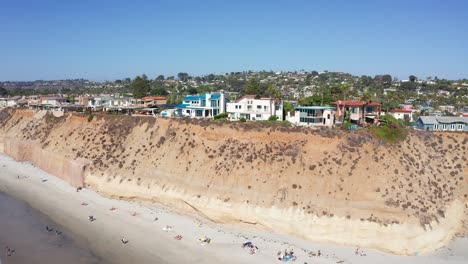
[(329, 186)]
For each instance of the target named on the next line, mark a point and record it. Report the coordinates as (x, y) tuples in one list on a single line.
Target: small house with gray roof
[(442, 123)]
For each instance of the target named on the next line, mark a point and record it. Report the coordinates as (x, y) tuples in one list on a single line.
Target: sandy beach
[(149, 243), (22, 229)]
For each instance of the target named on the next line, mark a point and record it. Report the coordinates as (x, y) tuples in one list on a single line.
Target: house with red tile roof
[(356, 112), (154, 101)]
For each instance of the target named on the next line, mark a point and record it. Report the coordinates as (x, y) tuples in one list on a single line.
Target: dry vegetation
[(328, 173)]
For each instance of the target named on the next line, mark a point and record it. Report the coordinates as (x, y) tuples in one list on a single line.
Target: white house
[(201, 106), (13, 101), (3, 102), (109, 102), (401, 113), (254, 109), (53, 100), (313, 116)]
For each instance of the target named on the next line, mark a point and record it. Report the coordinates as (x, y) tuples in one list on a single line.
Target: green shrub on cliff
[(390, 133), (221, 116), (90, 117)]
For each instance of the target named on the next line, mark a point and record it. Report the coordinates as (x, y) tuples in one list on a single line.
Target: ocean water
[(23, 229)]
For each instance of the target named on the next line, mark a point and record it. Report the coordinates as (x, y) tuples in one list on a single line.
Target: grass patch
[(389, 133)]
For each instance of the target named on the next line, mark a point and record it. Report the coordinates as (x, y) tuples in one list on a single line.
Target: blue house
[(202, 106), (442, 123)]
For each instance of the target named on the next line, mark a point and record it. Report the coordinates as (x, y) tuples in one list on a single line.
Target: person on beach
[(356, 252), (49, 229), (123, 240), (91, 218)]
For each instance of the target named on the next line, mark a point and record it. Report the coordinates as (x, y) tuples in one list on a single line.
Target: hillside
[(328, 186)]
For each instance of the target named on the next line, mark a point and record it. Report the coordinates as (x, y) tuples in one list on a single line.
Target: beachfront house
[(312, 116), (150, 101), (442, 123), (108, 102), (402, 114), (12, 101), (252, 109), (3, 102), (356, 112), (202, 106), (52, 101)]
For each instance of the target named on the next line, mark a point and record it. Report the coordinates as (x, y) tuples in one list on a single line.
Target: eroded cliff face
[(321, 185)]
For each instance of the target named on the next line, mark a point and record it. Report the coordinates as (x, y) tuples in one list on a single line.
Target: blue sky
[(107, 40)]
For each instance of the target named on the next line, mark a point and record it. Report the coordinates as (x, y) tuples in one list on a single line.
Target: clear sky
[(107, 40)]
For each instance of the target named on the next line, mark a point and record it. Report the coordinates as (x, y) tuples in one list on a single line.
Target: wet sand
[(23, 229), (148, 242)]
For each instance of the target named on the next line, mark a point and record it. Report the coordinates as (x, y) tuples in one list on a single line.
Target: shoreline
[(22, 229), (150, 244)]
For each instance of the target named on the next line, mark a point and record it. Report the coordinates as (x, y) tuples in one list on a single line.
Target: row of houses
[(248, 107), (102, 102)]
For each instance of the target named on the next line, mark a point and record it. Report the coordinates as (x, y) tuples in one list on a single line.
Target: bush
[(389, 119), (273, 118), (90, 117), (221, 116), (242, 119), (347, 125), (389, 133)]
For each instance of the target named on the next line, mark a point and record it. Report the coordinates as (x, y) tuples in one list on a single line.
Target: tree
[(387, 79), (192, 90), (3, 91), (160, 78), (140, 87), (275, 97), (210, 77), (252, 87), (314, 73), (287, 108), (159, 91), (183, 76), (412, 78), (366, 98)]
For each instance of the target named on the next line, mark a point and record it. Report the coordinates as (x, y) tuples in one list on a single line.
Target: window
[(453, 127), (460, 127), (258, 115), (214, 103), (259, 107), (436, 127), (249, 107), (265, 108), (238, 106), (354, 110), (203, 103)]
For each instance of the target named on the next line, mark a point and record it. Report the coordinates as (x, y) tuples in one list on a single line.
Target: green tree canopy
[(3, 91), (316, 100), (192, 90), (159, 78), (412, 78), (366, 97), (252, 87), (183, 76), (159, 91), (140, 87)]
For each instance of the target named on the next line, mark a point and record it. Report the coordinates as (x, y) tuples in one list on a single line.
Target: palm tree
[(366, 98), (275, 96)]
